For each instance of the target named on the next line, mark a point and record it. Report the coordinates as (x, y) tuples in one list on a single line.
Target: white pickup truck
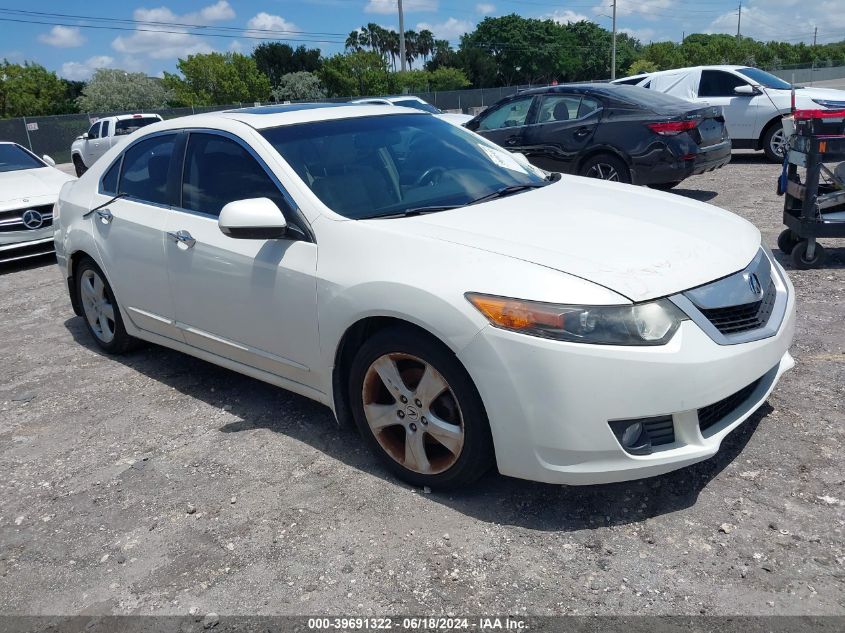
[(104, 134)]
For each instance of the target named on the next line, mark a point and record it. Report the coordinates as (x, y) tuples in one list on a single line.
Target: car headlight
[(827, 103), (650, 323)]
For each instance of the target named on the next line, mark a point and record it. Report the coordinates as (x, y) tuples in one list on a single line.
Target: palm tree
[(391, 46), (425, 43), (411, 48), (353, 41)]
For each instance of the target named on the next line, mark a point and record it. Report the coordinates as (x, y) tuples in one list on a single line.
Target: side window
[(145, 167), (717, 83), (94, 131), (558, 108), (588, 106), (104, 131), (512, 114), (109, 182), (218, 171)]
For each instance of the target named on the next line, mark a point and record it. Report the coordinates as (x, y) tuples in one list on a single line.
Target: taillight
[(671, 128)]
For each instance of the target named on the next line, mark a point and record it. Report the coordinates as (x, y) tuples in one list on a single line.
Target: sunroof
[(287, 107)]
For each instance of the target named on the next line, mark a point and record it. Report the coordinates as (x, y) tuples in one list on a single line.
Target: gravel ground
[(156, 483)]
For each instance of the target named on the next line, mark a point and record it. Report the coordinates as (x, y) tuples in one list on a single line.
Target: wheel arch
[(598, 151), (353, 337), (73, 261), (765, 130)]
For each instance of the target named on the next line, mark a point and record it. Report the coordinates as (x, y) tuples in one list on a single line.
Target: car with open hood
[(458, 305)]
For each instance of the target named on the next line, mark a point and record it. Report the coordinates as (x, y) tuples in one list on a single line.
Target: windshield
[(386, 165), (15, 158), (127, 126), (417, 105), (767, 80)]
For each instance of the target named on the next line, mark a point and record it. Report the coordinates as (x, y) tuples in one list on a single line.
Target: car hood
[(640, 243), (804, 96), (31, 183)]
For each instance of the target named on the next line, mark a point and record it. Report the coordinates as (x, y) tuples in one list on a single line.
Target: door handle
[(105, 216), (581, 132), (183, 239), (512, 140)]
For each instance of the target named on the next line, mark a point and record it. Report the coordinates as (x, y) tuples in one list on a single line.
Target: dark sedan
[(621, 133)]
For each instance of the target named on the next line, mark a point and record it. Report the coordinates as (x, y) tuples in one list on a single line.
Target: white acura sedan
[(460, 306)]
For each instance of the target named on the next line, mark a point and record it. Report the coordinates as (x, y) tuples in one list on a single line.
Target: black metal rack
[(811, 209)]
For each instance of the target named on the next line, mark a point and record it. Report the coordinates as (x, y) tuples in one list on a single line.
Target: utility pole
[(815, 35), (739, 22), (401, 37), (613, 48)]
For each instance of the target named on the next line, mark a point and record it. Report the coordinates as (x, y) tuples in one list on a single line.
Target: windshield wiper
[(511, 189), (413, 211)]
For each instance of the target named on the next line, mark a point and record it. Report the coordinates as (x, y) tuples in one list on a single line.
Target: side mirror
[(746, 91), (84, 137), (252, 219), (48, 160)]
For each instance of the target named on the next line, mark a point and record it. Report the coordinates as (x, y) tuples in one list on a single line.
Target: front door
[(91, 147), (716, 87), (130, 232), (249, 300), (505, 124), (565, 125)]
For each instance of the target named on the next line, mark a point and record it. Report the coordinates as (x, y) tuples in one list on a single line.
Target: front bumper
[(549, 402), (15, 245)]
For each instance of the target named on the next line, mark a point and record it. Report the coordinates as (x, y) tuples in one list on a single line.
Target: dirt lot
[(156, 483)]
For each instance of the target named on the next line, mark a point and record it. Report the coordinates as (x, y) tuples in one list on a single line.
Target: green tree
[(360, 73), (112, 89), (409, 81), (217, 78), (444, 78), (299, 86), (276, 59), (641, 66), (29, 89)]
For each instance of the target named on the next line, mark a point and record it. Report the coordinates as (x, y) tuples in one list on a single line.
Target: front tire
[(100, 310), (419, 411), (774, 142), (79, 166), (606, 167)]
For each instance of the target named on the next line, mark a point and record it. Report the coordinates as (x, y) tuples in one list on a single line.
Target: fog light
[(634, 435)]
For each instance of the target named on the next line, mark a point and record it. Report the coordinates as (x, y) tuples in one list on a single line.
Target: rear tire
[(79, 165), (419, 411), (100, 310), (774, 142), (665, 186), (606, 167)]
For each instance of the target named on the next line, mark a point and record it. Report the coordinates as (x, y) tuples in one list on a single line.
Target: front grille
[(12, 220), (741, 318), (714, 413)]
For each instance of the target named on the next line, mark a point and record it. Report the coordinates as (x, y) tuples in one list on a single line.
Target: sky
[(33, 30)]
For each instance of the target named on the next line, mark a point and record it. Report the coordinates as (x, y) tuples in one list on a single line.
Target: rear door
[(565, 126), (505, 124), (250, 300), (130, 231)]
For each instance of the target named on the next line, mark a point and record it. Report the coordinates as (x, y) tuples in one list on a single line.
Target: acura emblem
[(32, 219), (754, 283)]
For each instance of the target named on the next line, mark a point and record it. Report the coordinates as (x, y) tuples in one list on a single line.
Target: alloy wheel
[(413, 413), (98, 308), (603, 171), (778, 142)]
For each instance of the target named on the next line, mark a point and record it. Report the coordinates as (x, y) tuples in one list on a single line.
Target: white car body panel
[(746, 117), (91, 150), (277, 310)]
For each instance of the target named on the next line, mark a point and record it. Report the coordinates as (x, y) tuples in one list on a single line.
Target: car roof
[(602, 88), (123, 117), (264, 117), (682, 70)]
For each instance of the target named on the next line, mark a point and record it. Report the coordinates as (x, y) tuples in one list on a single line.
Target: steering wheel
[(432, 175)]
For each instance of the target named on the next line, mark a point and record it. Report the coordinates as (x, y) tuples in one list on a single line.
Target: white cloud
[(408, 6), (648, 8), (785, 19), (483, 8), (81, 71), (155, 43), (565, 16), (62, 37), (217, 12), (267, 22), (645, 35), (450, 30)]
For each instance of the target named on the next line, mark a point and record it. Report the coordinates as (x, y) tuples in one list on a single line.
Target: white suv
[(458, 304), (753, 101)]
